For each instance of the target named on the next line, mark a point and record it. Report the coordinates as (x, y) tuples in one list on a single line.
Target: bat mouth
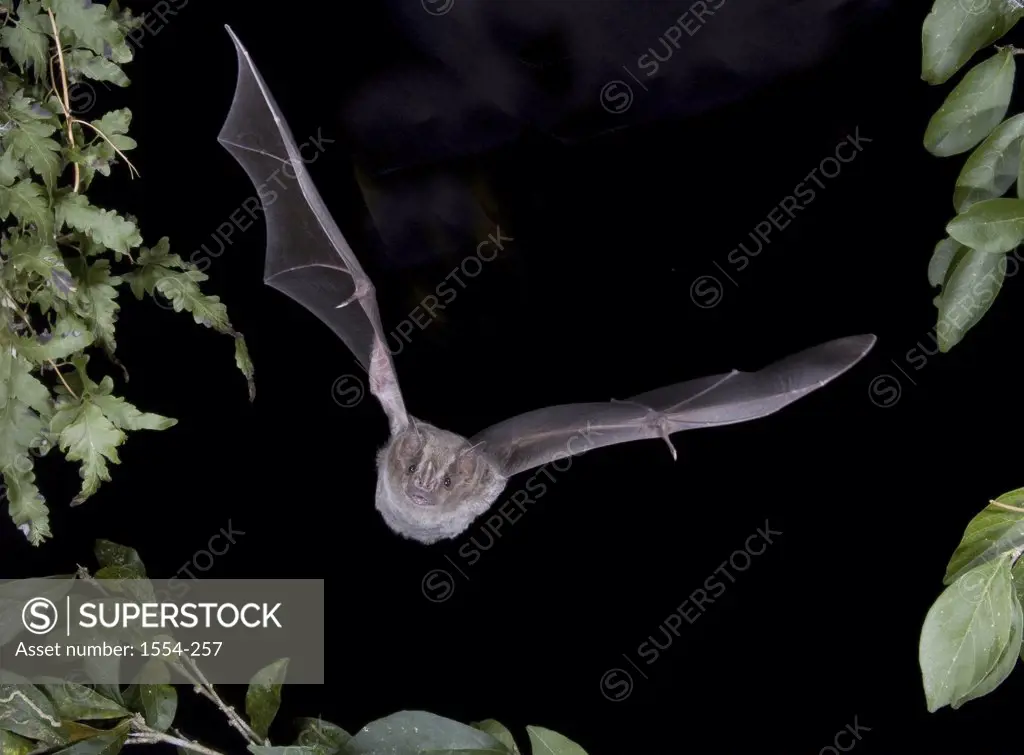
[(419, 499)]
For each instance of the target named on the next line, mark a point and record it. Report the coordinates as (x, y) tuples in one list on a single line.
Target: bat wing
[(307, 257), (538, 437)]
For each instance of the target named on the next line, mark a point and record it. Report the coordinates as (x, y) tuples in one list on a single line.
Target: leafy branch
[(970, 263), (67, 718), (972, 635), (63, 259)]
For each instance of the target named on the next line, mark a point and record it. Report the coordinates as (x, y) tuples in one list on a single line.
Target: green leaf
[(975, 106), (322, 737), (157, 702), (965, 633), (70, 335), (93, 26), (263, 698), (27, 41), (106, 743), (244, 363), (102, 226), (96, 299), (1007, 661), (12, 744), (971, 286), (76, 702), (993, 167), (96, 67), (109, 554), (14, 594), (31, 254), (11, 169), (955, 30), (414, 732), (993, 532), (992, 225), (499, 732), (27, 202), (547, 742), (87, 436), (30, 139), (942, 258), (26, 711), (114, 125), (25, 407)]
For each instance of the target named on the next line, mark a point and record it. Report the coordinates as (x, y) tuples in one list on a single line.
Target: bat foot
[(671, 448)]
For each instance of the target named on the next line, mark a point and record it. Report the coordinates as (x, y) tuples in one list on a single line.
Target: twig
[(132, 168), (203, 687), (67, 95), (143, 735)]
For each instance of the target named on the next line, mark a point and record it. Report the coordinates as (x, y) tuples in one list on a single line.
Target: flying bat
[(432, 483)]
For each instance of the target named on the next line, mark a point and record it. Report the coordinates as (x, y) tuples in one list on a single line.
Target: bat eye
[(447, 482), (411, 469)]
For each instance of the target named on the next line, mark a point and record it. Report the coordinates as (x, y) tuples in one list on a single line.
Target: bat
[(432, 483)]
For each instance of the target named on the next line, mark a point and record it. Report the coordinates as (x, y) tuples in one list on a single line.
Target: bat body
[(431, 483)]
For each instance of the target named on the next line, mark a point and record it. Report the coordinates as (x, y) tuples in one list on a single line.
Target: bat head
[(431, 484)]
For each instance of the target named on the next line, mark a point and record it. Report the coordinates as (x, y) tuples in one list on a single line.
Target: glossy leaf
[(263, 698), (158, 703), (324, 737), (1007, 661), (955, 30), (76, 702), (971, 287), (12, 744), (974, 108), (111, 554), (499, 732), (998, 529), (413, 732), (547, 742), (966, 632), (942, 259), (26, 711), (993, 167), (108, 743), (992, 226)]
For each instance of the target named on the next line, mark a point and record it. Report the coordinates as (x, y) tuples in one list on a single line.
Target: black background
[(591, 300)]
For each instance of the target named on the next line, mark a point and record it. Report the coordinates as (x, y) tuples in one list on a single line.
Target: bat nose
[(418, 495)]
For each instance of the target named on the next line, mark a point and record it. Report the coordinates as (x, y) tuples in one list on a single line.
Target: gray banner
[(124, 631)]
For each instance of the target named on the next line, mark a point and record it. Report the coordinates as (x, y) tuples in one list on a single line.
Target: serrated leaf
[(87, 436), (244, 364), (942, 258), (102, 226), (27, 201), (965, 633), (96, 67), (76, 702), (26, 711), (114, 125), (414, 732), (70, 335), (321, 737), (96, 298), (11, 169), (109, 553), (263, 698), (25, 406), (975, 106), (993, 167), (970, 288), (93, 27), (991, 226), (546, 742), (499, 732), (998, 529), (28, 40), (29, 253), (955, 30), (125, 416), (30, 140)]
